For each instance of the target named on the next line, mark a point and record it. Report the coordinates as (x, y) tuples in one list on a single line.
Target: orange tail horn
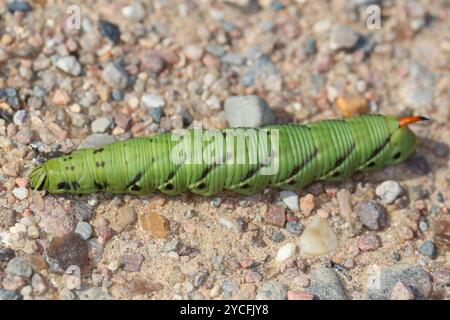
[(408, 120)]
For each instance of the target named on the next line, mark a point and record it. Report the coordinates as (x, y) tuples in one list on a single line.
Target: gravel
[(248, 111), (101, 125), (84, 230), (110, 31), (290, 198), (428, 249), (70, 65), (272, 290), (286, 251), (19, 266), (381, 282), (371, 214), (115, 76), (294, 227), (343, 37), (326, 285)]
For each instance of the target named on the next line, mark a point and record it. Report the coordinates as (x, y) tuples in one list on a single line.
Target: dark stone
[(371, 214), (21, 6), (110, 30), (6, 254), (65, 251), (428, 248), (419, 164)]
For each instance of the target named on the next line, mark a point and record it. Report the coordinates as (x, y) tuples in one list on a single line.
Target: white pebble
[(20, 193), (285, 252), (227, 223), (290, 198), (389, 191)]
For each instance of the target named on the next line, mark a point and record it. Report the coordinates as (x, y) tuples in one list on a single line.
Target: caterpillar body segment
[(243, 160)]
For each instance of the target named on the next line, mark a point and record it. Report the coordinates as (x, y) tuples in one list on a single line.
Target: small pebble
[(131, 262), (115, 76), (369, 242), (294, 227), (389, 191), (100, 125), (307, 204), (276, 216), (156, 225), (318, 238), (298, 295), (343, 37), (21, 117), (285, 252), (110, 30), (371, 214), (248, 111), (290, 198), (352, 105), (272, 290), (428, 249), (19, 266), (20, 193), (69, 65), (84, 230), (400, 291)]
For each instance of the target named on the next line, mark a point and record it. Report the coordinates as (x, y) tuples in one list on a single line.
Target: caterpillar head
[(38, 178), (403, 141)]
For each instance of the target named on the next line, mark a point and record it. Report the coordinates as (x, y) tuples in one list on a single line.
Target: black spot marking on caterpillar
[(397, 155), (99, 186), (292, 182), (70, 157), (63, 185), (169, 186), (135, 180), (251, 173), (336, 174), (64, 159), (205, 172), (72, 168), (136, 188), (75, 185), (371, 164), (245, 186), (202, 185), (171, 175), (99, 164), (99, 150)]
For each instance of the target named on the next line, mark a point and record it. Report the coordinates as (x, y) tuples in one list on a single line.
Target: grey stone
[(272, 290), (233, 58), (9, 295), (115, 76), (371, 214), (383, 281), (92, 293), (84, 230), (19, 266), (69, 65), (248, 111), (417, 92), (96, 140), (294, 227), (326, 285), (153, 101), (21, 117), (428, 248), (101, 124), (343, 37), (82, 211)]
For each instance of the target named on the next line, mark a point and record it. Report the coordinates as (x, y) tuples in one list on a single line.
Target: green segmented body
[(328, 150)]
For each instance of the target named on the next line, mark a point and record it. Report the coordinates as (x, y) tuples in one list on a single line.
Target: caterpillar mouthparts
[(38, 178)]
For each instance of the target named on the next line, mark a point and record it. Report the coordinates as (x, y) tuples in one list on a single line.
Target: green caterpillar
[(330, 150)]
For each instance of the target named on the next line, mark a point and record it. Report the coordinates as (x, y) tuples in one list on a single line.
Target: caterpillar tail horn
[(408, 120)]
